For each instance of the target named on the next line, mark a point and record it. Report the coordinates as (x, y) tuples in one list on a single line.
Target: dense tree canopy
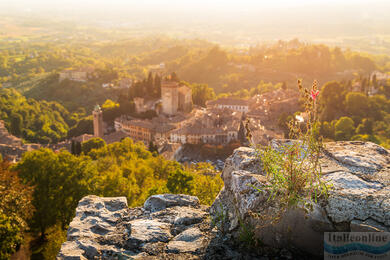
[(355, 115), (60, 180), (34, 121)]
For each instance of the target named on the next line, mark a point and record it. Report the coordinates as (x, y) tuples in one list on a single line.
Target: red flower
[(314, 94)]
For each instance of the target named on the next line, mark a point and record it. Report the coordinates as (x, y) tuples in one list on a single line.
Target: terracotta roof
[(115, 137), (163, 128), (140, 123)]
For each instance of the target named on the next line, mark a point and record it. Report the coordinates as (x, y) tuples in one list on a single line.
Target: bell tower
[(97, 121)]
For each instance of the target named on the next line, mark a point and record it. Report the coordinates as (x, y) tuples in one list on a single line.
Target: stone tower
[(97, 121), (170, 97)]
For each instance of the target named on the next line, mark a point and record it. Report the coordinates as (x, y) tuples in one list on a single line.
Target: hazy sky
[(191, 5), (270, 17)]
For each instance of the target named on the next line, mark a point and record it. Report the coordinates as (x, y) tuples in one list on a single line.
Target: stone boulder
[(167, 227), (358, 201), (163, 201)]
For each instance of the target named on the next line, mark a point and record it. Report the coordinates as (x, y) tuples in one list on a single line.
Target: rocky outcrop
[(358, 201), (178, 227), (166, 227)]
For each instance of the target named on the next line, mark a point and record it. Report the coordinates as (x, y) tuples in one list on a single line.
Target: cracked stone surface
[(358, 201), (105, 228)]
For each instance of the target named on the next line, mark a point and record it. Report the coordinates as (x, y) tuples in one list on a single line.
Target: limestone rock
[(358, 201), (188, 241), (170, 227), (163, 201), (149, 230)]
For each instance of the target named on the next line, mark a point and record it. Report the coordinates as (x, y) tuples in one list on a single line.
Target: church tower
[(97, 121)]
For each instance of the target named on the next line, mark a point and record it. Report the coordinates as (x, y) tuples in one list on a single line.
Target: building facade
[(80, 75), (239, 105), (144, 130), (175, 97)]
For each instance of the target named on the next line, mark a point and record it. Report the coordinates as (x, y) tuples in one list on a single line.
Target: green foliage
[(366, 127), (344, 128), (147, 88), (332, 97), (15, 210), (357, 104), (10, 236), (93, 143), (180, 182), (71, 94), (354, 115), (60, 180), (201, 93), (55, 236), (34, 121), (247, 236), (84, 126)]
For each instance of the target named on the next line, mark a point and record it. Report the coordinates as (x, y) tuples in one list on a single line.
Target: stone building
[(98, 129), (175, 98), (144, 130), (12, 147), (80, 75), (239, 105)]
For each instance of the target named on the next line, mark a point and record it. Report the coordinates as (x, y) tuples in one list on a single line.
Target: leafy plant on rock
[(292, 166)]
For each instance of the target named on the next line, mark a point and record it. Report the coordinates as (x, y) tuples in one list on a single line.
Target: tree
[(365, 127), (111, 110), (331, 101), (11, 236), (150, 86), (56, 235), (326, 130), (180, 182), (93, 143), (356, 104), (60, 180), (344, 129), (374, 81), (157, 86), (202, 93), (15, 210), (16, 124), (78, 148), (83, 126), (152, 147), (35, 121), (174, 77)]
